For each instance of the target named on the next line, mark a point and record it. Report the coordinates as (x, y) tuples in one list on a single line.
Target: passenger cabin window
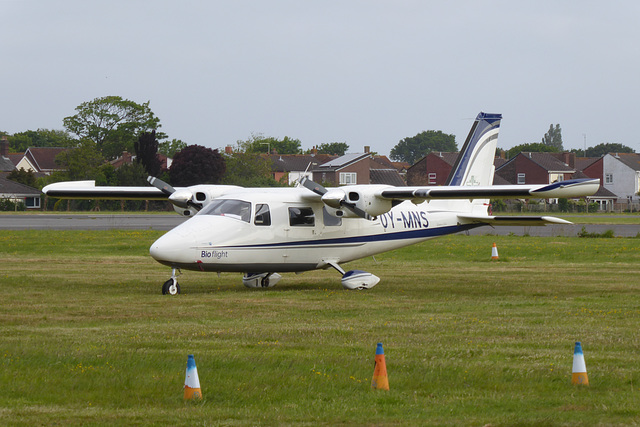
[(301, 217), (330, 220), (263, 215), (237, 209)]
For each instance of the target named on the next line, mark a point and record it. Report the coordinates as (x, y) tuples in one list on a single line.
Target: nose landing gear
[(171, 286)]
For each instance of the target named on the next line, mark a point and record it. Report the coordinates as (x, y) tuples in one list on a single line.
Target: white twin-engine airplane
[(263, 231)]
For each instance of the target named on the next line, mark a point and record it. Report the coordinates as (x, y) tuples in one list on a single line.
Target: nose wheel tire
[(171, 287)]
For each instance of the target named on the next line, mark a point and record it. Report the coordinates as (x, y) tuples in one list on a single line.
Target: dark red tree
[(195, 164)]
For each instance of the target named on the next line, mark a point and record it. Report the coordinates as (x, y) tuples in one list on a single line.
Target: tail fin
[(475, 161)]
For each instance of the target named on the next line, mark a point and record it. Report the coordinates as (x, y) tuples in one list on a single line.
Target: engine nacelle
[(366, 198)]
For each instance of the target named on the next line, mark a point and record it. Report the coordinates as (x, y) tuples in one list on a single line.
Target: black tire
[(171, 287)]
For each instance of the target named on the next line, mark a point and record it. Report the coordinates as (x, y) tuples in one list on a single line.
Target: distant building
[(41, 160), (622, 175), (17, 192), (538, 168)]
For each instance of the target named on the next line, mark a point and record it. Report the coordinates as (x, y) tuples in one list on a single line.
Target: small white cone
[(494, 251), (579, 375)]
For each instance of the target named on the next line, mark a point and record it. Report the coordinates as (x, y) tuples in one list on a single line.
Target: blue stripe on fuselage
[(401, 235)]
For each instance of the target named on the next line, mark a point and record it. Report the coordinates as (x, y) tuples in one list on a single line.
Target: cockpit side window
[(263, 215), (237, 209), (301, 216)]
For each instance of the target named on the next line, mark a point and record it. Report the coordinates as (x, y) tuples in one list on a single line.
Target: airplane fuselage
[(275, 232)]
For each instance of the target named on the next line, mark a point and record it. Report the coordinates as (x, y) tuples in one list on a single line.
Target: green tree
[(260, 144), (336, 148), (23, 177), (414, 148), (112, 123), (604, 148), (20, 141), (81, 163), (197, 165), (534, 147), (170, 148), (248, 170), (553, 137)]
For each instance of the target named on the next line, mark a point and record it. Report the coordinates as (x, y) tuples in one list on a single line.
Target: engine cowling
[(366, 198)]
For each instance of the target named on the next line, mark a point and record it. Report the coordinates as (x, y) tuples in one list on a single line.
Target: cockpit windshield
[(237, 209)]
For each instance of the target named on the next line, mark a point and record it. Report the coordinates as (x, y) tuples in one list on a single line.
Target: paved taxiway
[(167, 222)]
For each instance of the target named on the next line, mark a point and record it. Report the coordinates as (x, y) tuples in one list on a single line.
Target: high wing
[(88, 190), (369, 201), (186, 200), (562, 189)]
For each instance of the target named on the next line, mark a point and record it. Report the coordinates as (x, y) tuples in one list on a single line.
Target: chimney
[(367, 148), (4, 146), (569, 159), (228, 149)]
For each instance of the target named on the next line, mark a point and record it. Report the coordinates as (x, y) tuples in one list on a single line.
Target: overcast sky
[(362, 72)]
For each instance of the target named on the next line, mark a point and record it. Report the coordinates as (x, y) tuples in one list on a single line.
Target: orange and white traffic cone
[(494, 251), (191, 381), (380, 380), (579, 375)]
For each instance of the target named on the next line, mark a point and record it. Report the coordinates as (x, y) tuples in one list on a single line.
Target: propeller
[(182, 198), (334, 198)]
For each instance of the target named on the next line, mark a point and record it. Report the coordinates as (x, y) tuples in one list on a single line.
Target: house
[(383, 171), (16, 192), (538, 168), (432, 169), (41, 160), (344, 170), (357, 168), (621, 173), (435, 167), (292, 167)]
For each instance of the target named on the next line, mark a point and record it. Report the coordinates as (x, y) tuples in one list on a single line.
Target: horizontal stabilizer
[(511, 220)]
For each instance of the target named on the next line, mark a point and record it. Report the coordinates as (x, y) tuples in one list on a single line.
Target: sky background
[(361, 72)]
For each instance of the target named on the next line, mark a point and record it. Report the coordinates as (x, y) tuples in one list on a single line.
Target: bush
[(8, 205)]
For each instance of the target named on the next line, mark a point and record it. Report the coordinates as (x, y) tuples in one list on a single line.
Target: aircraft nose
[(171, 248)]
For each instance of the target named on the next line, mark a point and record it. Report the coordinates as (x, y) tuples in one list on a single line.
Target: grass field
[(87, 338)]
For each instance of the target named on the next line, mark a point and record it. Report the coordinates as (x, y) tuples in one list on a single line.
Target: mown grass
[(88, 339)]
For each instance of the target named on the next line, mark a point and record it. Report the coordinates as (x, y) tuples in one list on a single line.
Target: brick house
[(538, 168)]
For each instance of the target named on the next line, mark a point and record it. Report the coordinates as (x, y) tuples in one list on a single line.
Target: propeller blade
[(334, 199), (181, 198), (161, 185), (313, 186), (356, 210)]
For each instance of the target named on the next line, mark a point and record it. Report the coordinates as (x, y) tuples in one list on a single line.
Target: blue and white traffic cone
[(579, 375)]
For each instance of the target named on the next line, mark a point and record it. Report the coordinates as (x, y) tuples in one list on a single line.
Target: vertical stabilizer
[(475, 161)]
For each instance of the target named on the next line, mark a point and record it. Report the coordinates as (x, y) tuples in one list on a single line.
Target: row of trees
[(103, 128)]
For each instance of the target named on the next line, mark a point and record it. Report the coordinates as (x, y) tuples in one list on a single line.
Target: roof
[(584, 162), (344, 161), (44, 158), (545, 160), (12, 188), (297, 162), (630, 159), (549, 162), (6, 165), (386, 176)]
